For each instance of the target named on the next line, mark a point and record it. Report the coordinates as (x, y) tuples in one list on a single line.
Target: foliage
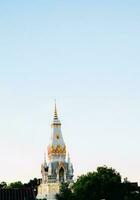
[(16, 185), (131, 191), (3, 185), (105, 183), (33, 184), (65, 193)]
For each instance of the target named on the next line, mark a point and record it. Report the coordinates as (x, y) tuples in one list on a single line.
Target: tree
[(65, 193), (15, 185), (103, 184), (3, 185), (131, 191), (33, 184)]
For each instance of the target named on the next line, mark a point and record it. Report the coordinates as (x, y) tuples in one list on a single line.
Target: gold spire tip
[(55, 111)]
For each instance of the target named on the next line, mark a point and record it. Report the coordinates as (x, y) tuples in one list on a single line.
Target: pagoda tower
[(58, 169)]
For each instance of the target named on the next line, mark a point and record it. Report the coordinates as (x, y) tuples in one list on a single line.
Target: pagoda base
[(48, 191)]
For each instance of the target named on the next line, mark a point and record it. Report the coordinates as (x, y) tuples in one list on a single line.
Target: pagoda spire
[(55, 112)]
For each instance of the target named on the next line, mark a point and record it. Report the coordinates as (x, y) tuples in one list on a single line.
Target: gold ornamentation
[(58, 150)]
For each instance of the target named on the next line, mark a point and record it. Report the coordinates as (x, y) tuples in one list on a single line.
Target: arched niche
[(61, 174)]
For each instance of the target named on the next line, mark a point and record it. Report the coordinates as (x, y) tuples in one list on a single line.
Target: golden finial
[(55, 111)]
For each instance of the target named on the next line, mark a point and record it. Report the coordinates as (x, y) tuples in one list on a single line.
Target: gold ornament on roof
[(58, 150)]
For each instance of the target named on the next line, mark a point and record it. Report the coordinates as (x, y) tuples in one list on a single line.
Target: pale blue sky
[(86, 55)]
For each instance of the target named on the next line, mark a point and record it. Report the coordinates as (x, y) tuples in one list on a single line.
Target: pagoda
[(58, 169)]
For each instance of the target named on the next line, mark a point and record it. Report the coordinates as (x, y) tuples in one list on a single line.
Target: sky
[(84, 54)]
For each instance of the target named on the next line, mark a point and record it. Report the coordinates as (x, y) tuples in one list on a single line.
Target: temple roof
[(17, 194)]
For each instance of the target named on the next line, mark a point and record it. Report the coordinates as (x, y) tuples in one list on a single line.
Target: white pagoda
[(58, 169)]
